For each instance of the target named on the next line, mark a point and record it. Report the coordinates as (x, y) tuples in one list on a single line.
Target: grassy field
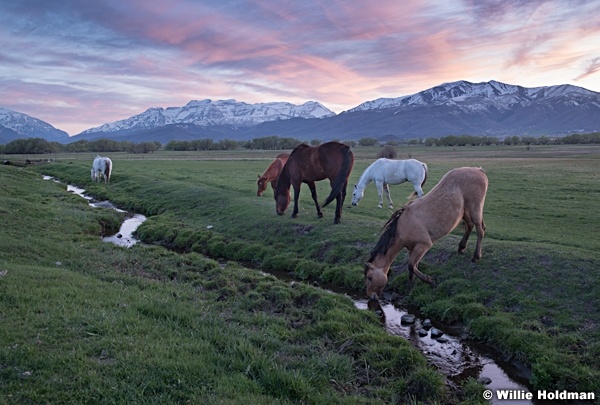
[(147, 324)]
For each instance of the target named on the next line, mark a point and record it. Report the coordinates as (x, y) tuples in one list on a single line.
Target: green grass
[(83, 321), (534, 295)]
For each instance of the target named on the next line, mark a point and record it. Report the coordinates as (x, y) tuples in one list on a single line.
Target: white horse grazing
[(388, 171), (102, 167)]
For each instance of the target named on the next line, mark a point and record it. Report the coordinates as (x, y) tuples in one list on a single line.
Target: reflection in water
[(450, 355), (125, 235)]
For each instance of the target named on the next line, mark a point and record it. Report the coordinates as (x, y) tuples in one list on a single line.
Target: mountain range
[(457, 108)]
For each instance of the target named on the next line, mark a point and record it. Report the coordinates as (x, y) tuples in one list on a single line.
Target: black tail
[(414, 193), (341, 180)]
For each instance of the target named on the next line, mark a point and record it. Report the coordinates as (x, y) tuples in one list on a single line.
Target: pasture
[(535, 294)]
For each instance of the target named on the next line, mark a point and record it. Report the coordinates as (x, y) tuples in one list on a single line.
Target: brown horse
[(308, 164), (460, 195), (270, 175)]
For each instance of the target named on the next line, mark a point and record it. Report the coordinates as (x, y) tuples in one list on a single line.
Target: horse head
[(357, 195), (262, 185), (282, 201), (375, 279)]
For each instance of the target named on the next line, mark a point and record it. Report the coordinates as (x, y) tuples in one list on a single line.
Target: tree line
[(42, 146), (39, 146), (463, 140)]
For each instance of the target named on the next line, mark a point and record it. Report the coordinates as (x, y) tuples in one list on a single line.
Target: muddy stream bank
[(445, 347)]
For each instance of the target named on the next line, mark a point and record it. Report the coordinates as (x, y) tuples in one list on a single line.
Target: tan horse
[(270, 175), (460, 195)]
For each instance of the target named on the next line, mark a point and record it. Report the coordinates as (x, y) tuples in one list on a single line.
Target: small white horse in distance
[(390, 171), (102, 167)]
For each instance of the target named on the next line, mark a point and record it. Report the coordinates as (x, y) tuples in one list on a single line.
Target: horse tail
[(414, 193), (107, 170), (342, 178)]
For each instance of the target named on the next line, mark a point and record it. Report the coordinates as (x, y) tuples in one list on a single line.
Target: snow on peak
[(485, 93), (220, 112), (25, 125)]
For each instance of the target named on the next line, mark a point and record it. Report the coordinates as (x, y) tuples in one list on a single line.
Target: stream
[(454, 356)]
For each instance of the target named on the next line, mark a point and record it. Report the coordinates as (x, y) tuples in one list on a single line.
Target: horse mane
[(283, 181), (387, 238), (342, 177), (302, 146)]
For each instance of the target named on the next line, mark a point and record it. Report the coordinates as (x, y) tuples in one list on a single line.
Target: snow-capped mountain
[(469, 96), (18, 125), (207, 113), (457, 108)]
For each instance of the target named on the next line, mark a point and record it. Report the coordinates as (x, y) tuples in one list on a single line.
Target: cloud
[(593, 66), (122, 57)]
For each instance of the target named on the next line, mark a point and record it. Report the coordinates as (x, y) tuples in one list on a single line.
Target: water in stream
[(449, 353), (125, 235)]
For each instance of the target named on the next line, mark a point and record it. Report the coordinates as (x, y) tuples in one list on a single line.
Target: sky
[(78, 64)]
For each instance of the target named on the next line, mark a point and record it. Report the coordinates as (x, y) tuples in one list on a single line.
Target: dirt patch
[(303, 229)]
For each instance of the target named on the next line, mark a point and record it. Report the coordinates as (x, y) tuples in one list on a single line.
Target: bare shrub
[(388, 152)]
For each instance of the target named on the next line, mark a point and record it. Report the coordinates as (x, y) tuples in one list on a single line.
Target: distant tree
[(202, 144), (367, 141), (177, 145), (227, 144), (315, 142), (32, 146), (105, 145), (143, 147)]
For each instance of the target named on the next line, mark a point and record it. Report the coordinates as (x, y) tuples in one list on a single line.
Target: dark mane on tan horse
[(271, 173), (308, 164), (459, 196), (387, 237)]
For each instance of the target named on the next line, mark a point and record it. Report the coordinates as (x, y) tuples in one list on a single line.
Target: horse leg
[(338, 209), (386, 187), (480, 228), (379, 185), (468, 223), (313, 193), (296, 197), (414, 257), (418, 189)]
